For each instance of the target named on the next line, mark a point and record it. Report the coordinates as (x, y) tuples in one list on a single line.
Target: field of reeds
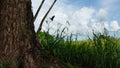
[(100, 51)]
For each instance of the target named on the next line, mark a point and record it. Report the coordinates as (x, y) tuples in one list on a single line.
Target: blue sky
[(112, 6), (81, 3), (84, 15)]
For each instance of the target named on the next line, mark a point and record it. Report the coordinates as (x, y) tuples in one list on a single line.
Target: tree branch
[(40, 27), (36, 14)]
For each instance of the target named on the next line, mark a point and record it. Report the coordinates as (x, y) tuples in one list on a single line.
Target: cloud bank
[(83, 20)]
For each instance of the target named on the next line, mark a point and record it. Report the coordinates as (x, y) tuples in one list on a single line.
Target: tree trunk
[(18, 41)]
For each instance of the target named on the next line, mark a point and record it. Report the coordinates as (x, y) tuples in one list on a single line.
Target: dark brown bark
[(18, 41)]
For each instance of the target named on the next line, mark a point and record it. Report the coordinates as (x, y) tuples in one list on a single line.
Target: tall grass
[(102, 51)]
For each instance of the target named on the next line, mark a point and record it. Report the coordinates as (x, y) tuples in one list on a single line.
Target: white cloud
[(114, 25), (106, 25), (102, 14), (83, 15), (97, 27), (81, 21), (60, 16)]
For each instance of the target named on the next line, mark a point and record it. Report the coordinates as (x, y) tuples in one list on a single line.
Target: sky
[(84, 16)]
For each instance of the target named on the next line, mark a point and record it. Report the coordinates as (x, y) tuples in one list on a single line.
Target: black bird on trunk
[(52, 18)]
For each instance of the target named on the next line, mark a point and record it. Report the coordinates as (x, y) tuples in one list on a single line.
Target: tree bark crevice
[(18, 41)]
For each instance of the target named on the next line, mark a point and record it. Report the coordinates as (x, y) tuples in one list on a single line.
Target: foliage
[(5, 65), (102, 51)]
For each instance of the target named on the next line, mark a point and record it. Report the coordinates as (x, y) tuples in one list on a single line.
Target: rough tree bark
[(18, 41)]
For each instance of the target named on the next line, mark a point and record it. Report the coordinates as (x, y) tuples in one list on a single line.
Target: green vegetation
[(5, 65), (102, 51)]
